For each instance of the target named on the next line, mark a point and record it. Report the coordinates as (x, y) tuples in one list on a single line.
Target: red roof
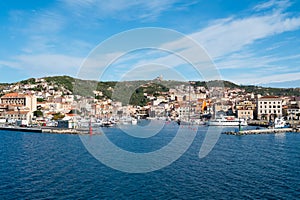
[(16, 112), (269, 97), (13, 95)]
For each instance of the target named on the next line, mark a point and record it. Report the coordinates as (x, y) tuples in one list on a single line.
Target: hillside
[(155, 88)]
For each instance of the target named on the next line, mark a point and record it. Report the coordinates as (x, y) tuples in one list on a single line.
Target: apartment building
[(269, 107)]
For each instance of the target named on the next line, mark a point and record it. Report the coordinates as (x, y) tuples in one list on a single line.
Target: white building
[(269, 107)]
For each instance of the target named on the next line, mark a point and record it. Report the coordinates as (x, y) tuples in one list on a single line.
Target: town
[(40, 102)]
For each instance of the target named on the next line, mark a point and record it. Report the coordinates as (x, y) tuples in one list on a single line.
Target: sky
[(249, 42)]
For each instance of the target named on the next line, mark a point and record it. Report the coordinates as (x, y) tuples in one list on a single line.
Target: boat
[(134, 121), (280, 123), (107, 124), (227, 121)]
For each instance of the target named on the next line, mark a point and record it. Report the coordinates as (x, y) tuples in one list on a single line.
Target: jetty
[(261, 131), (53, 130), (22, 129)]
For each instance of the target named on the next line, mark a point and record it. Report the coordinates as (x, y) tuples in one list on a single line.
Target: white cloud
[(137, 9), (228, 37), (224, 39), (278, 4), (273, 78)]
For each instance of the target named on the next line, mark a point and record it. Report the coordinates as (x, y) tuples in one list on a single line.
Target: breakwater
[(261, 131), (52, 130), (21, 129)]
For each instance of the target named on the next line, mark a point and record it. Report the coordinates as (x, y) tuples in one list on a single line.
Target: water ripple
[(42, 166)]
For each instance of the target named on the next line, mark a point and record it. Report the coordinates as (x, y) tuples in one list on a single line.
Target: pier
[(21, 129), (261, 131), (82, 131)]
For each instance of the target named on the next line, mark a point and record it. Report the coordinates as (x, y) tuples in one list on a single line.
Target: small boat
[(106, 124), (227, 121), (280, 123), (134, 121)]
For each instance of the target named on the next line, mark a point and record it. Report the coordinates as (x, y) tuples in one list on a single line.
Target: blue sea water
[(53, 166)]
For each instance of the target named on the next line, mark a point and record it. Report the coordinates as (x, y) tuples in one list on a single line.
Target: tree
[(38, 113), (40, 99), (58, 116), (75, 112)]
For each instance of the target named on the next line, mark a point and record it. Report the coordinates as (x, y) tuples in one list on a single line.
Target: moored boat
[(134, 121), (280, 123), (227, 121)]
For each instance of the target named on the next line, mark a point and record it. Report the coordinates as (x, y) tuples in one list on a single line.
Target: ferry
[(227, 121)]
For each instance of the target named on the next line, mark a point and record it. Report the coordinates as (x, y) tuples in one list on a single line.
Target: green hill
[(119, 91)]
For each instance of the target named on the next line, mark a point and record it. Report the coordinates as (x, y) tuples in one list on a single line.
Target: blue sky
[(250, 42)]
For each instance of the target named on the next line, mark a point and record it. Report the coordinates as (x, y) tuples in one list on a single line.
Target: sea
[(59, 166)]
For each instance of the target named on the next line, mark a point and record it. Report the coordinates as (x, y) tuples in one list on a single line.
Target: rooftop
[(13, 95)]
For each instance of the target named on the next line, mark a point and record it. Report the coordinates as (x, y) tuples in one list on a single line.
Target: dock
[(21, 129), (261, 131), (53, 130)]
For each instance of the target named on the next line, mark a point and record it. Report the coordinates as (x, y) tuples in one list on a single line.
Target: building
[(15, 115), (245, 110), (292, 113), (19, 106), (20, 100), (269, 107), (245, 114)]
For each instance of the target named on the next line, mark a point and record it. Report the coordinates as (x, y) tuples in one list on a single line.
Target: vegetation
[(38, 113), (28, 81), (65, 81), (75, 112), (132, 92), (58, 116), (40, 100)]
